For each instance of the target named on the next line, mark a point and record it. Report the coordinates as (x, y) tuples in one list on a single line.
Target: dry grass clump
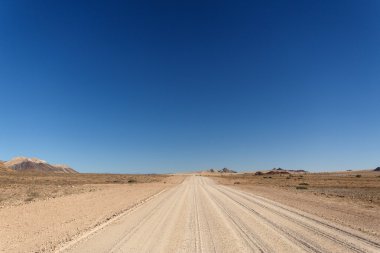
[(32, 195)]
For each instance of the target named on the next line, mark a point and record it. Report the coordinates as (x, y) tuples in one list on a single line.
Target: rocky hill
[(65, 168), (37, 165), (4, 169), (225, 170), (280, 171)]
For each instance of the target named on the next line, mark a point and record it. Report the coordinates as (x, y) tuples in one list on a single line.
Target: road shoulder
[(44, 225)]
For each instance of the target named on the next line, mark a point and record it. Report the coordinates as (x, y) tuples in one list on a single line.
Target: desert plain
[(194, 212)]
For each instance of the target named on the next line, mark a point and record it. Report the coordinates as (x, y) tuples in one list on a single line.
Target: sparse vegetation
[(343, 185), (301, 187), (18, 188), (32, 195)]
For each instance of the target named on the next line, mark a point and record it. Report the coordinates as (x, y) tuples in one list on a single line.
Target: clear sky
[(159, 86)]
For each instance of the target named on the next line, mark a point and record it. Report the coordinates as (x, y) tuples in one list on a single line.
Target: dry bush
[(32, 195)]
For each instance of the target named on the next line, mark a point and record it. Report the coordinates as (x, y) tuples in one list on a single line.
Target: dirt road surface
[(201, 216)]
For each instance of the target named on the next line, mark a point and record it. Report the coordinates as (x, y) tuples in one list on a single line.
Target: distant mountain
[(280, 171), (34, 164), (4, 169), (288, 170), (65, 168), (225, 170)]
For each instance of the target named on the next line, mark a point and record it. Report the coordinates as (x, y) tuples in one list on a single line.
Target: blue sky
[(161, 86)]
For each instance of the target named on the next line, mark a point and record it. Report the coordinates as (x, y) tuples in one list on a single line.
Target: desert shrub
[(288, 177), (31, 195), (237, 182), (303, 184), (358, 176), (132, 180), (301, 188)]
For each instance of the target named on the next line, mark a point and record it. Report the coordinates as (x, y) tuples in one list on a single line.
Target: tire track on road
[(254, 243), (298, 221), (370, 247), (201, 216)]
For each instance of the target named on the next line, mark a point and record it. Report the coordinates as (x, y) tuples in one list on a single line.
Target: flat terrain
[(201, 216), (19, 188), (359, 186), (41, 211), (191, 213), (350, 198)]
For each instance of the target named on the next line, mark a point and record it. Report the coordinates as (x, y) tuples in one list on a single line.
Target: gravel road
[(201, 216)]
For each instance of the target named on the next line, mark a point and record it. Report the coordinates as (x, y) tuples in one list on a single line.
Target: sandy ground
[(42, 225), (356, 215), (154, 213), (341, 197), (202, 216), (18, 188)]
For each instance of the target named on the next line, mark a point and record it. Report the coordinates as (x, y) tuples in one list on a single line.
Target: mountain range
[(22, 164)]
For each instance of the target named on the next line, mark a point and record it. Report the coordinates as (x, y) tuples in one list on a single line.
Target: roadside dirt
[(18, 188), (42, 224), (340, 197)]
